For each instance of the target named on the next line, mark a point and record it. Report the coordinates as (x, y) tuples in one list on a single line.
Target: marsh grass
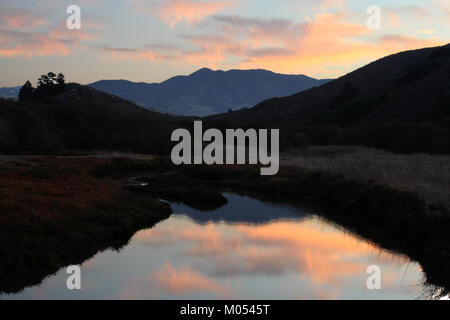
[(55, 212), (426, 175)]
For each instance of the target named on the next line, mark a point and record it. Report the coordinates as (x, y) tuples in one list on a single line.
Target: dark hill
[(80, 118), (207, 92), (408, 87)]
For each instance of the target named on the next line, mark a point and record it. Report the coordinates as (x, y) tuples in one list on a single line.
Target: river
[(247, 249)]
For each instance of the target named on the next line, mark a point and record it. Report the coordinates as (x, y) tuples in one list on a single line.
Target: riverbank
[(60, 211), (394, 219), (426, 175)]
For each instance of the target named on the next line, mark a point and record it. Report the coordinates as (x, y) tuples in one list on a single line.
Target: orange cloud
[(58, 40), (183, 281), (19, 18), (324, 46), (329, 4), (22, 21), (24, 32), (323, 255), (175, 11), (330, 46), (15, 43)]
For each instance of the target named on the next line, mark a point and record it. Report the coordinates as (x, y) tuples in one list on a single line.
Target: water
[(247, 249)]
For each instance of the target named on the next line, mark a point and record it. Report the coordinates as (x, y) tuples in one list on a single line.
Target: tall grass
[(426, 175)]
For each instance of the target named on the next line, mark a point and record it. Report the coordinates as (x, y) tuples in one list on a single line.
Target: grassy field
[(426, 175)]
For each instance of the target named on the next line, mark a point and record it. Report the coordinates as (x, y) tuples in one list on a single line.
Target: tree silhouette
[(26, 92), (60, 80), (49, 80), (48, 85)]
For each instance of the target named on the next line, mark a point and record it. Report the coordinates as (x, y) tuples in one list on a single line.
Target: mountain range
[(10, 92), (400, 103), (206, 92)]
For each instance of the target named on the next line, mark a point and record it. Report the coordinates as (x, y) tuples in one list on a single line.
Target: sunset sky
[(153, 40)]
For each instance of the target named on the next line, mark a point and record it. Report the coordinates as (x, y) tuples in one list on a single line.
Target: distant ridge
[(207, 92), (10, 92)]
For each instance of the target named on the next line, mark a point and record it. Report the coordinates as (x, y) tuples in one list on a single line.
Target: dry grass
[(426, 175)]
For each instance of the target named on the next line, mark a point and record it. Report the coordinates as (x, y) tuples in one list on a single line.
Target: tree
[(50, 80), (52, 77), (43, 81), (48, 85), (60, 80), (26, 92)]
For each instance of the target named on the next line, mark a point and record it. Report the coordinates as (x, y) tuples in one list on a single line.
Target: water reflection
[(275, 252), (241, 210)]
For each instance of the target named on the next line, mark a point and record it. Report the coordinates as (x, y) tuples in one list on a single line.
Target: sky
[(153, 40)]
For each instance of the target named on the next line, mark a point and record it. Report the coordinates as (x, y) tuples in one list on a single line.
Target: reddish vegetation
[(57, 211), (50, 188)]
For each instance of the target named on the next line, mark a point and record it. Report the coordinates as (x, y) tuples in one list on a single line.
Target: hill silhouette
[(80, 118), (207, 92), (400, 103), (408, 87)]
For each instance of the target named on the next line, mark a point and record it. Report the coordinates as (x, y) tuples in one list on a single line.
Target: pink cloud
[(173, 12), (183, 281), (57, 40), (29, 44), (326, 45), (19, 18), (324, 255), (331, 46)]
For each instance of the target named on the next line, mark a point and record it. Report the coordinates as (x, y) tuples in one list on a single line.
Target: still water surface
[(247, 249)]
